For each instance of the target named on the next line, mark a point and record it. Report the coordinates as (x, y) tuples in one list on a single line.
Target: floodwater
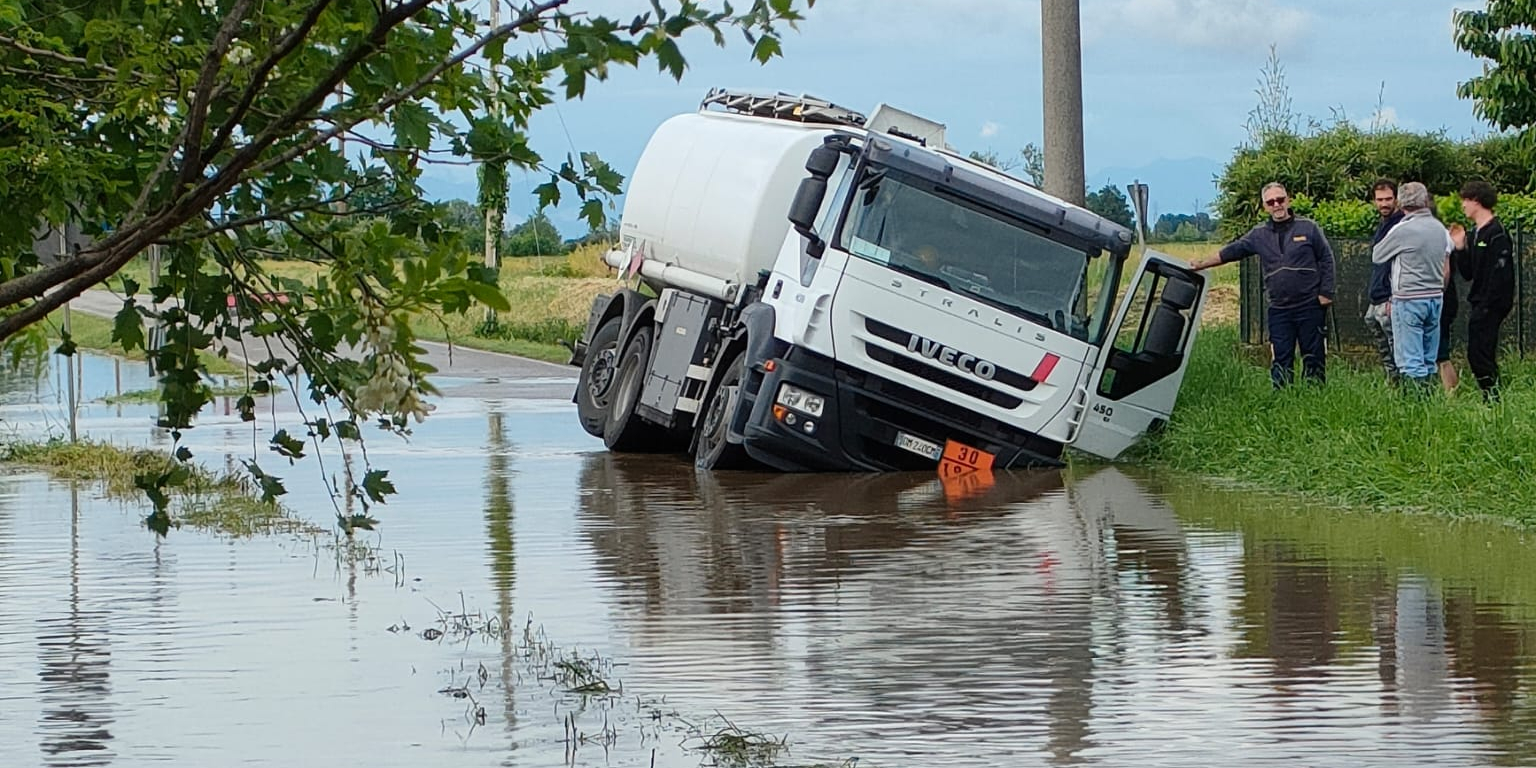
[(1093, 617)]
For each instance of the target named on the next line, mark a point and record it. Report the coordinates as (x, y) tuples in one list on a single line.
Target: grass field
[(1355, 441), (550, 298)]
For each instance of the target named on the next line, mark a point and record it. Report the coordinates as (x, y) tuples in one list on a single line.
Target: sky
[(1167, 84)]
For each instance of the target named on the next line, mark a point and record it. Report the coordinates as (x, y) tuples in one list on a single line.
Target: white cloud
[(989, 129), (1385, 117), (1215, 25)]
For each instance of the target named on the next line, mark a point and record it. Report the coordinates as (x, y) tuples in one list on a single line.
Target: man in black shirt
[(1485, 257), (1297, 264)]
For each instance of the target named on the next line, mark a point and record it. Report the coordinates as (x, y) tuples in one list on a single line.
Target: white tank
[(712, 190)]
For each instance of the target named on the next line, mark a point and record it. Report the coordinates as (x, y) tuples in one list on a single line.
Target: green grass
[(1355, 441), (143, 396), (219, 503), (550, 298)]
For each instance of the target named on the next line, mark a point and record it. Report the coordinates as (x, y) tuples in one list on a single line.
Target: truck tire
[(714, 449), (624, 431), (599, 371)]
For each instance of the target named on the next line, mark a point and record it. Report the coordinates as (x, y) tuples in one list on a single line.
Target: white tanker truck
[(817, 290)]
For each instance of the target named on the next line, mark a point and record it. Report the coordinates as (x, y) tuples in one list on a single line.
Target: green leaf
[(489, 295), (347, 430), (575, 80), (670, 60), (247, 407), (271, 487), (592, 212), (287, 445), (183, 454), (413, 126), (67, 346), (767, 47), (128, 327), (359, 522), (549, 193), (376, 485)]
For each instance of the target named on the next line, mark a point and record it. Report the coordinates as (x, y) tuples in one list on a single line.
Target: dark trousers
[(1293, 327), (1483, 346)]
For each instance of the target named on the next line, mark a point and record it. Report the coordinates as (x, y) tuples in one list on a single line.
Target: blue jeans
[(1294, 327), (1416, 335)]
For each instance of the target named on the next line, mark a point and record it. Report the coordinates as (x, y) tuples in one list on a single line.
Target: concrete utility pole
[(493, 214), (1061, 53)]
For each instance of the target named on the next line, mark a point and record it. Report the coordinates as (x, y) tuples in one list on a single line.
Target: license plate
[(919, 446)]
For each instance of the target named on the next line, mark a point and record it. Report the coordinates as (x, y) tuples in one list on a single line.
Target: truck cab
[(911, 304)]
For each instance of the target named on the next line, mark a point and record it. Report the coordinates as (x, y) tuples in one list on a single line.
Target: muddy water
[(1094, 617)]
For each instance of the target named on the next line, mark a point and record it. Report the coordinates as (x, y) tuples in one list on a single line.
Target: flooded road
[(1097, 616)]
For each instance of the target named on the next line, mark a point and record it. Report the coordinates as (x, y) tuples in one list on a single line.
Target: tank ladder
[(781, 106)]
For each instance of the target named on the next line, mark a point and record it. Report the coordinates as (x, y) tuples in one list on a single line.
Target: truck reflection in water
[(957, 615), (1056, 616)]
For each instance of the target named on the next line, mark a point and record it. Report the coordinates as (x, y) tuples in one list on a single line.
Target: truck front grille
[(896, 335), (942, 377)]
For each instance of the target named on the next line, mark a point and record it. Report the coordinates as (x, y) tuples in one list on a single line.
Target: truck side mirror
[(812, 191), (823, 161), (807, 203), (803, 210)]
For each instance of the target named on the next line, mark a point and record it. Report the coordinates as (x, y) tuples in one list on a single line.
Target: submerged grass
[(1355, 441), (222, 503), (145, 396)]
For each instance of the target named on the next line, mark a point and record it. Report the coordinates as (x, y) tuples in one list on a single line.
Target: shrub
[(1340, 162)]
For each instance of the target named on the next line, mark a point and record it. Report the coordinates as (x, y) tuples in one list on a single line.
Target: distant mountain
[(1176, 186)]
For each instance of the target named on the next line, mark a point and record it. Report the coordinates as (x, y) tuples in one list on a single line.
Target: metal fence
[(1346, 325)]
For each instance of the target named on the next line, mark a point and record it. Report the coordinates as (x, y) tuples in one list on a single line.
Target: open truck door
[(1135, 381)]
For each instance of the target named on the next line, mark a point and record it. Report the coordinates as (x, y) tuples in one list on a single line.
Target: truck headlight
[(800, 400)]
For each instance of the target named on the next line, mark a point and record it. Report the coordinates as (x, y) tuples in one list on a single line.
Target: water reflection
[(500, 538), (1067, 618), (75, 681), (1096, 617)]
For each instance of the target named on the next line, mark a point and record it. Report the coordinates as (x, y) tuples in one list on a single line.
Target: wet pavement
[(1098, 616)]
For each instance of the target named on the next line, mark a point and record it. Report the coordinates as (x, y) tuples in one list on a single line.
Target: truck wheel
[(594, 389), (714, 450), (624, 431)]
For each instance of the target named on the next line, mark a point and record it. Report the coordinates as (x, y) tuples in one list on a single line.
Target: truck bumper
[(861, 419)]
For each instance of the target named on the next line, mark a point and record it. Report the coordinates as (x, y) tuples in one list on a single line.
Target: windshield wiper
[(1017, 309), (920, 274)]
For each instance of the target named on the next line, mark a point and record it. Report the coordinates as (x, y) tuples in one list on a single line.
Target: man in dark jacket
[(1297, 264), (1485, 257), (1378, 314)]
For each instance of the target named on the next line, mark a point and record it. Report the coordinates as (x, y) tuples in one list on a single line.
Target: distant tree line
[(1184, 228)]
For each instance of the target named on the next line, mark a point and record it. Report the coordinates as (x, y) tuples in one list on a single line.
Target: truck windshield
[(904, 224)]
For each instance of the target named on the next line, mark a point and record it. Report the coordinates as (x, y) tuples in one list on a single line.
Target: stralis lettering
[(950, 356)]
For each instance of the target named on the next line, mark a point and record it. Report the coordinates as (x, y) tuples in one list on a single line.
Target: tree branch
[(56, 56), (197, 112), (93, 272), (287, 45), (506, 30), (323, 207)]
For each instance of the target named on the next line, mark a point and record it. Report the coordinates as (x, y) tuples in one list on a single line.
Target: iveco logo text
[(933, 350)]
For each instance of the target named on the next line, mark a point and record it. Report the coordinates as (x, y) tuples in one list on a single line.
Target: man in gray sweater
[(1417, 248)]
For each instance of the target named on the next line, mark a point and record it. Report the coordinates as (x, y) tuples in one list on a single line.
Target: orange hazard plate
[(961, 459)]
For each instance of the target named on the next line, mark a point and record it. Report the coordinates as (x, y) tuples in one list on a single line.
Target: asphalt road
[(461, 371)]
